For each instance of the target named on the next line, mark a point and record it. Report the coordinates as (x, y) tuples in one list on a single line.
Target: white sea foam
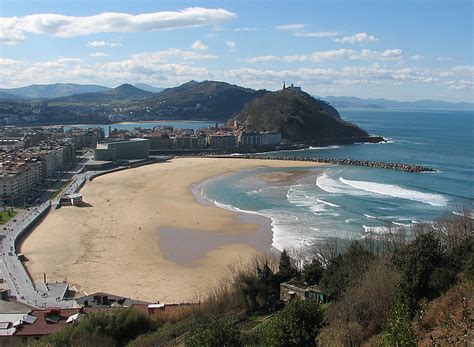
[(401, 224), (234, 209), (300, 195), (327, 147), (471, 216), (327, 203), (397, 192), (331, 185), (380, 230), (369, 216)]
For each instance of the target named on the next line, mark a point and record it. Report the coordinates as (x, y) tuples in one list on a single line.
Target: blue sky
[(404, 50)]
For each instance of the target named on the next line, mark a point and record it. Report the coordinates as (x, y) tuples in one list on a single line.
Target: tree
[(345, 268), (259, 286), (297, 324), (398, 331), (286, 270), (218, 332), (418, 262), (312, 272)]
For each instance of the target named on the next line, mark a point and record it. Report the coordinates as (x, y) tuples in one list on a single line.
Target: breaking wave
[(397, 192)]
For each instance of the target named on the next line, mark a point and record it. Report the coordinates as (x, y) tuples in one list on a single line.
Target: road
[(21, 285)]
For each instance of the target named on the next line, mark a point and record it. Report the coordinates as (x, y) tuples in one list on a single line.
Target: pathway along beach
[(114, 245)]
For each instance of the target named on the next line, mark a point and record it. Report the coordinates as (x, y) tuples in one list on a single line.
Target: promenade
[(22, 287)]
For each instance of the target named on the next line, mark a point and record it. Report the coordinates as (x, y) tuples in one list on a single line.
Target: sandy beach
[(143, 235)]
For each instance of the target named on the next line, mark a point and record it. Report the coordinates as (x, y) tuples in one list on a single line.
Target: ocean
[(346, 201)]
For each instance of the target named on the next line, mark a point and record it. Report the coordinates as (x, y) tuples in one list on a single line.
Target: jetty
[(353, 162)]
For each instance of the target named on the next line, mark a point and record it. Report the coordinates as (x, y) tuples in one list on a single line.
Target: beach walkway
[(21, 285)]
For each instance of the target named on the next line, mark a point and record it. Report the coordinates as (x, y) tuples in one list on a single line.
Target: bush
[(218, 332), (367, 301), (296, 325), (345, 268), (341, 334), (117, 327), (398, 331)]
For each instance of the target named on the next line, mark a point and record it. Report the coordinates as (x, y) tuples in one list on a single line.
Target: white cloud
[(103, 43), (460, 85), (335, 54), (199, 46), (12, 29), (463, 69), (262, 59), (416, 57), (293, 58), (448, 59), (231, 45), (319, 34), (174, 66), (98, 55), (357, 38), (237, 30), (301, 30), (174, 54), (290, 27), (9, 62)]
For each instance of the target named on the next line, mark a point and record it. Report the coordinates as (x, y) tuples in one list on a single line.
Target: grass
[(5, 216)]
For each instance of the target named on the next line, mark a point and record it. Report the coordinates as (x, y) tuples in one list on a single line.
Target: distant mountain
[(38, 91), (148, 88), (10, 97), (208, 99), (351, 101), (121, 94), (299, 117)]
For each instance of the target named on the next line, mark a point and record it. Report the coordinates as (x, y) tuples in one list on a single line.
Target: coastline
[(115, 245)]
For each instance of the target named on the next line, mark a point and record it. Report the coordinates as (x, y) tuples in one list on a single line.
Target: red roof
[(41, 327)]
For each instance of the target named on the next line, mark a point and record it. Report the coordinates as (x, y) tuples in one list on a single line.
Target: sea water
[(348, 201)]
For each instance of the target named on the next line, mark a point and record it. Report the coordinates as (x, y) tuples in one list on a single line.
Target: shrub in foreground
[(219, 332), (297, 324)]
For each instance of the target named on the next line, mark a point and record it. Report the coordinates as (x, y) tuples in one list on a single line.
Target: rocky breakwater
[(353, 162)]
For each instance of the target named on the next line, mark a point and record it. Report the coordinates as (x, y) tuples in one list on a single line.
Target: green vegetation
[(116, 328), (397, 289), (298, 116), (6, 214), (296, 325)]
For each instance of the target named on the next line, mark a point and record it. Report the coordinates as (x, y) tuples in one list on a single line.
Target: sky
[(402, 50)]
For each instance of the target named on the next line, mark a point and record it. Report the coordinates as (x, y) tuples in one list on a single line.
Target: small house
[(292, 289)]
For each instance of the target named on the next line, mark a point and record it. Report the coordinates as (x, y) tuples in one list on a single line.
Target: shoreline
[(115, 245)]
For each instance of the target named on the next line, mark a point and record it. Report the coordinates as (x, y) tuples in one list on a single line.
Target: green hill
[(55, 90), (122, 94), (207, 99), (299, 117)]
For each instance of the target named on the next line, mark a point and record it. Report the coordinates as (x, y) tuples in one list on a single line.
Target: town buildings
[(131, 149), (30, 157)]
